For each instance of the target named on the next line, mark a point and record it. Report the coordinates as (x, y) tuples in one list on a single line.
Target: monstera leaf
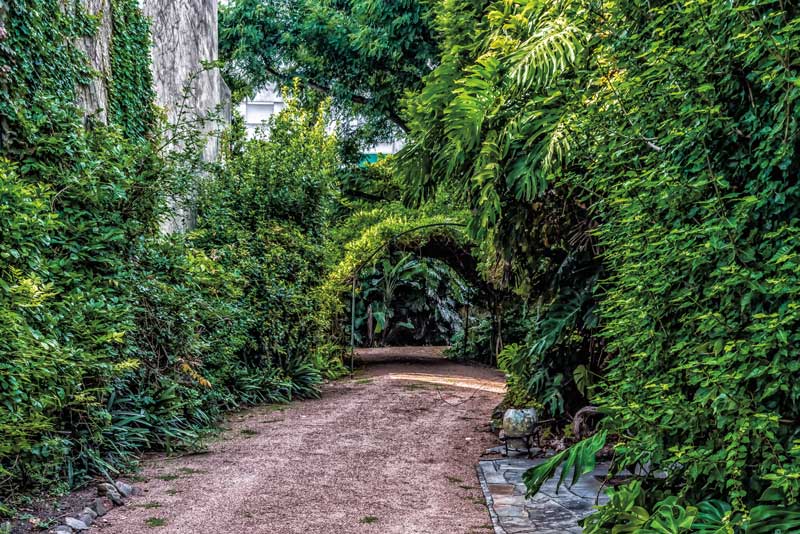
[(580, 458)]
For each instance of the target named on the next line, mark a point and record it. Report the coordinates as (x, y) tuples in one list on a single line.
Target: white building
[(257, 111)]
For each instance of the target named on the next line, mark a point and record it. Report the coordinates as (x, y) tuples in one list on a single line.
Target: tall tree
[(364, 54)]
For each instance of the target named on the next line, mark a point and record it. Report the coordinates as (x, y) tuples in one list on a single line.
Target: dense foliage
[(364, 54), (627, 172), (406, 300), (114, 338), (401, 295), (265, 217), (484, 130), (662, 136)]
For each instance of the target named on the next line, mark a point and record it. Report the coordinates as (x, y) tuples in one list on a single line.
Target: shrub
[(114, 338)]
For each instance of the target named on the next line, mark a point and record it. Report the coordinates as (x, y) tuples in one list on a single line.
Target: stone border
[(489, 500), (109, 495), (550, 511)]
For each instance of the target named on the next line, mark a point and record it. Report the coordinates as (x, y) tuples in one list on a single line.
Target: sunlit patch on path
[(492, 386)]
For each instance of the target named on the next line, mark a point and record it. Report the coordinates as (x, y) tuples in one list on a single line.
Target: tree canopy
[(365, 55)]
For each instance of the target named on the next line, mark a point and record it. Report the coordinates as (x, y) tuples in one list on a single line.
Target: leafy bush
[(265, 216), (114, 338), (700, 230), (374, 240), (405, 300)]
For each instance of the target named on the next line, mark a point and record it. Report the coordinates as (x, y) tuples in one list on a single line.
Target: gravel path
[(385, 452)]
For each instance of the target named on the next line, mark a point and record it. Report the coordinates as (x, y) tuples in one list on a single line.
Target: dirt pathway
[(381, 453)]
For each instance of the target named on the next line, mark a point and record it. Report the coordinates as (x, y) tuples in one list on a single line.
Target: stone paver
[(546, 512)]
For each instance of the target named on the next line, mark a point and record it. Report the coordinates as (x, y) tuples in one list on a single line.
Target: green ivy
[(115, 339), (650, 149), (130, 89)]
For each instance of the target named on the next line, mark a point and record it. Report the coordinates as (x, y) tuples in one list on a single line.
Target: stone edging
[(489, 501), (108, 496)]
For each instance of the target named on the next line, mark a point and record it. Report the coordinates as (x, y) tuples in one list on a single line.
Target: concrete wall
[(184, 34), (184, 37), (93, 98)]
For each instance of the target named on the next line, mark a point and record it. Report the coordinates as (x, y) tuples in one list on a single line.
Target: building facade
[(257, 111)]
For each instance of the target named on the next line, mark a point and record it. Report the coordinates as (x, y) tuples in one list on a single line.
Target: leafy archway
[(389, 252)]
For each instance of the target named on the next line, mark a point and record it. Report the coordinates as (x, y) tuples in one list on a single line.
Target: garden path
[(391, 450)]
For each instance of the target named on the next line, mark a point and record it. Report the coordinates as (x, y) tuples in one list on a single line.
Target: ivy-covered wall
[(93, 95)]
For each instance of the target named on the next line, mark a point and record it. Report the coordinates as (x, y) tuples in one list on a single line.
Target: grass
[(149, 505), (364, 381), (248, 432), (181, 472), (172, 491), (466, 487), (480, 502), (153, 522), (454, 480), (368, 519), (482, 528)]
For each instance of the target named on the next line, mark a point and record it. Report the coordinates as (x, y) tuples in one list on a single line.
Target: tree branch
[(354, 98)]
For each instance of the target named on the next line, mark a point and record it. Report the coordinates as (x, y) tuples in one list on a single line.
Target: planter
[(519, 426)]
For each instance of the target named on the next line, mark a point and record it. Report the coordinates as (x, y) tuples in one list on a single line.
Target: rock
[(86, 519), (105, 488), (126, 490), (102, 506), (116, 498), (90, 512), (76, 524), (63, 529)]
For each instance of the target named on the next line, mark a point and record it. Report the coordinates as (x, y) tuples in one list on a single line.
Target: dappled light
[(492, 386)]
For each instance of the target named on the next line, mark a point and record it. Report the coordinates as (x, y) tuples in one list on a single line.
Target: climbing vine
[(114, 338), (650, 149), (130, 88)]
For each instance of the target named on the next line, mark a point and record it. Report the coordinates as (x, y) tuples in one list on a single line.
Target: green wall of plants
[(114, 338), (636, 165)]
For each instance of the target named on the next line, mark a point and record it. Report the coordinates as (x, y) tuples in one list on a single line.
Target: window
[(258, 112)]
